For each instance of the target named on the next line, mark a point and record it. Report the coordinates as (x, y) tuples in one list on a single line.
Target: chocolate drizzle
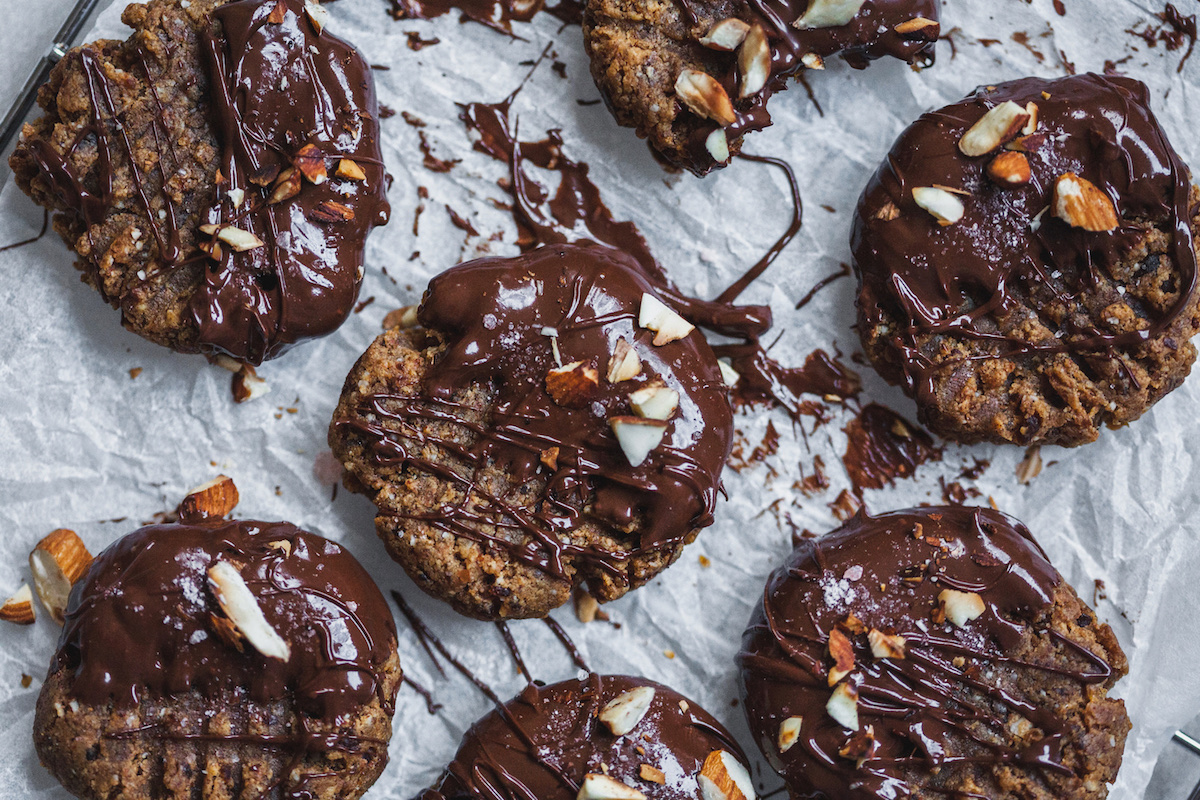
[(497, 318), (544, 741), (141, 623), (949, 701), (870, 35), (577, 213), (498, 15), (967, 281), (278, 87), (271, 87)]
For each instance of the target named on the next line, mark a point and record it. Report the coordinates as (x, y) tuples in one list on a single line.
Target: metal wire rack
[(67, 35)]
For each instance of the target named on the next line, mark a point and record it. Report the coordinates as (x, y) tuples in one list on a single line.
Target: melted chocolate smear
[(32, 239), (888, 572), (1175, 30), (882, 447), (495, 14)]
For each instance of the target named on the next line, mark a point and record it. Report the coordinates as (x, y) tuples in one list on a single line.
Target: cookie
[(603, 736), (216, 174), (223, 659), (551, 422), (932, 653), (1026, 262), (694, 77)]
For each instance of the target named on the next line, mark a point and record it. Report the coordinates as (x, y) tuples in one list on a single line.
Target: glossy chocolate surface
[(501, 319), (959, 280), (144, 621), (888, 573), (277, 87), (272, 88), (544, 741)]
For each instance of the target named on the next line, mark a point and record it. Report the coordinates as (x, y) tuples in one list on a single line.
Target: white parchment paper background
[(83, 444)]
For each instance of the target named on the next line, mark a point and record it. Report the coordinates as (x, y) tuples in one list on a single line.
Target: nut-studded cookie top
[(696, 77), (1029, 224), (911, 653), (599, 393), (603, 736), (277, 220), (260, 610)]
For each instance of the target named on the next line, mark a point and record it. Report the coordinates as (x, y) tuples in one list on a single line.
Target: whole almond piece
[(241, 608), (57, 562), (828, 13), (943, 205), (624, 363), (915, 24), (623, 713), (701, 93), (1081, 204), (754, 62), (725, 35), (210, 500), (999, 125), (723, 777), (572, 385), (19, 608), (1009, 169)]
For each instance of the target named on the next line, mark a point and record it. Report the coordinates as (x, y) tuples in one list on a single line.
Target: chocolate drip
[(144, 623), (543, 742), (870, 35), (933, 707), (31, 239), (278, 87), (504, 322), (964, 280)]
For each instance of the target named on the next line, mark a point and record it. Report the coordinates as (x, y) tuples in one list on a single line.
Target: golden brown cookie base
[(478, 579), (216, 748), (983, 395)]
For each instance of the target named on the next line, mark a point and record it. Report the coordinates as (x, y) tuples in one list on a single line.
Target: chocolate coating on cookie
[(533, 478), (972, 668), (145, 622), (1011, 324), (197, 166), (543, 742), (639, 50)]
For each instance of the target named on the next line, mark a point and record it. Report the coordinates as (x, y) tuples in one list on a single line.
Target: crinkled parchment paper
[(82, 444)]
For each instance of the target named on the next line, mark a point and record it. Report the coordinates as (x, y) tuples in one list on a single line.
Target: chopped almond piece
[(58, 561), (841, 650), (723, 777), (210, 500), (705, 96), (572, 385), (350, 170), (19, 608), (624, 363), (1081, 204), (311, 163)]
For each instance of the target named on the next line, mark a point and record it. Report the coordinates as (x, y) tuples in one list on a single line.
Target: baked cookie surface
[(221, 659), (216, 174), (929, 653), (694, 78), (1043, 285), (533, 434), (549, 741)]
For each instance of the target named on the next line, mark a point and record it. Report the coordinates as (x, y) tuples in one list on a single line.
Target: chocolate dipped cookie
[(603, 737), (932, 653), (221, 659), (694, 78), (1026, 262), (216, 174), (549, 422)]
